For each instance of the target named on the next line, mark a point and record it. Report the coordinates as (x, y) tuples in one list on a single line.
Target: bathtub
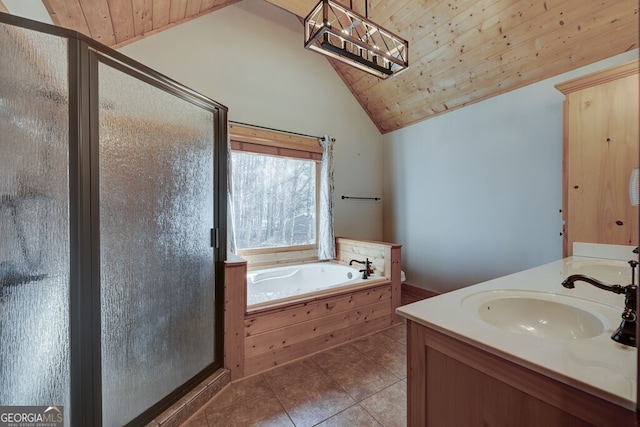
[(272, 285)]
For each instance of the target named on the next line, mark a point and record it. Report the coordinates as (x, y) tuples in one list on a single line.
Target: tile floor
[(362, 383)]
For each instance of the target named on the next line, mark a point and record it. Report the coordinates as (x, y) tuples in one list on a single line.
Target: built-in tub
[(281, 284), (260, 336)]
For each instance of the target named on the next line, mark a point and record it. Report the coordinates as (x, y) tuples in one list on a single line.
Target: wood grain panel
[(235, 294), (601, 149), (255, 324), (193, 7), (521, 72), (274, 138), (161, 12), (98, 17), (394, 266), (177, 10), (283, 355), (215, 4), (379, 254), (491, 401), (298, 333), (496, 57), (122, 19), (460, 51), (170, 24), (67, 14), (278, 259), (443, 69), (142, 16), (301, 8), (416, 374)]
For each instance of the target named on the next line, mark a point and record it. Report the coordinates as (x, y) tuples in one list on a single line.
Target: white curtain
[(326, 239), (231, 228)]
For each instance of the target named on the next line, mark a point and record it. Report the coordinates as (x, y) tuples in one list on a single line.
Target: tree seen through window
[(274, 200)]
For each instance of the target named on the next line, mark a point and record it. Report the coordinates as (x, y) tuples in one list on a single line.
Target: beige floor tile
[(356, 384), (398, 333), (199, 419), (291, 373), (263, 411), (336, 356), (313, 400), (354, 416), (372, 342), (393, 356), (389, 406), (362, 377), (247, 389)]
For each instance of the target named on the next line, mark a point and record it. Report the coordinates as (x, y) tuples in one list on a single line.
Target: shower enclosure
[(112, 218)]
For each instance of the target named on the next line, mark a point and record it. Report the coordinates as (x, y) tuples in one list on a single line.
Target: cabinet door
[(601, 151)]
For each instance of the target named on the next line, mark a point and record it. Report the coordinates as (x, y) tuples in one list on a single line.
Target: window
[(274, 201), (275, 189)]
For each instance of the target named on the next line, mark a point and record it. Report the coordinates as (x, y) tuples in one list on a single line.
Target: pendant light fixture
[(340, 33)]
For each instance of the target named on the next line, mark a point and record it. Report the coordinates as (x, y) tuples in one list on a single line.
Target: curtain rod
[(362, 198), (276, 130)]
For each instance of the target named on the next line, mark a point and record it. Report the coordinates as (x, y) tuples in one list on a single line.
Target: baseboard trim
[(417, 291), (193, 401)]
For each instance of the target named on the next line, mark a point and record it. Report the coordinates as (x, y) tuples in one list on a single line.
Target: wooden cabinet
[(600, 150), (451, 383)]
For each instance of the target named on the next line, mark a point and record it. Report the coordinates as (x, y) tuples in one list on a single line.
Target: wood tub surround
[(386, 260), (277, 336), (260, 338), (235, 306)]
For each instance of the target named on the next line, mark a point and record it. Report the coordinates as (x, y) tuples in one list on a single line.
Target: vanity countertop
[(597, 365)]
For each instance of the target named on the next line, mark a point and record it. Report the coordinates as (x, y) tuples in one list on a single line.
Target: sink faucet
[(368, 271), (626, 333)]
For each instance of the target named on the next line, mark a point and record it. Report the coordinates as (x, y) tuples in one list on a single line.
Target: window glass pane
[(274, 201)]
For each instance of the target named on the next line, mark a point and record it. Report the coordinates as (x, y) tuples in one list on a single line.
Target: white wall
[(476, 193), (250, 57)]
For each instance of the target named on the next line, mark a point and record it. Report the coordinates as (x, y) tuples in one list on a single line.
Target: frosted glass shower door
[(34, 220), (156, 189)]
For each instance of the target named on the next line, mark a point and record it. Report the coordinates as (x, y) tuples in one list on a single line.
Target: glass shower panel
[(156, 259), (34, 220)]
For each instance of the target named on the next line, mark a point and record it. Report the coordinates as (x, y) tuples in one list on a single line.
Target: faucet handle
[(633, 263)]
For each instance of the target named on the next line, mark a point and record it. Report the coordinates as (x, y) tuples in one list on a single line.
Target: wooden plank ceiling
[(460, 51)]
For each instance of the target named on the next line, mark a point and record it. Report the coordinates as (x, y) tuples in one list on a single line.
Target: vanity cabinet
[(599, 153), (453, 383)]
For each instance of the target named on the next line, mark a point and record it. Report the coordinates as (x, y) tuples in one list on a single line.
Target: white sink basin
[(541, 314)]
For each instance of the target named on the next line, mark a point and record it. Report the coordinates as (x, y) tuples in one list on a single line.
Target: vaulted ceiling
[(460, 51)]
